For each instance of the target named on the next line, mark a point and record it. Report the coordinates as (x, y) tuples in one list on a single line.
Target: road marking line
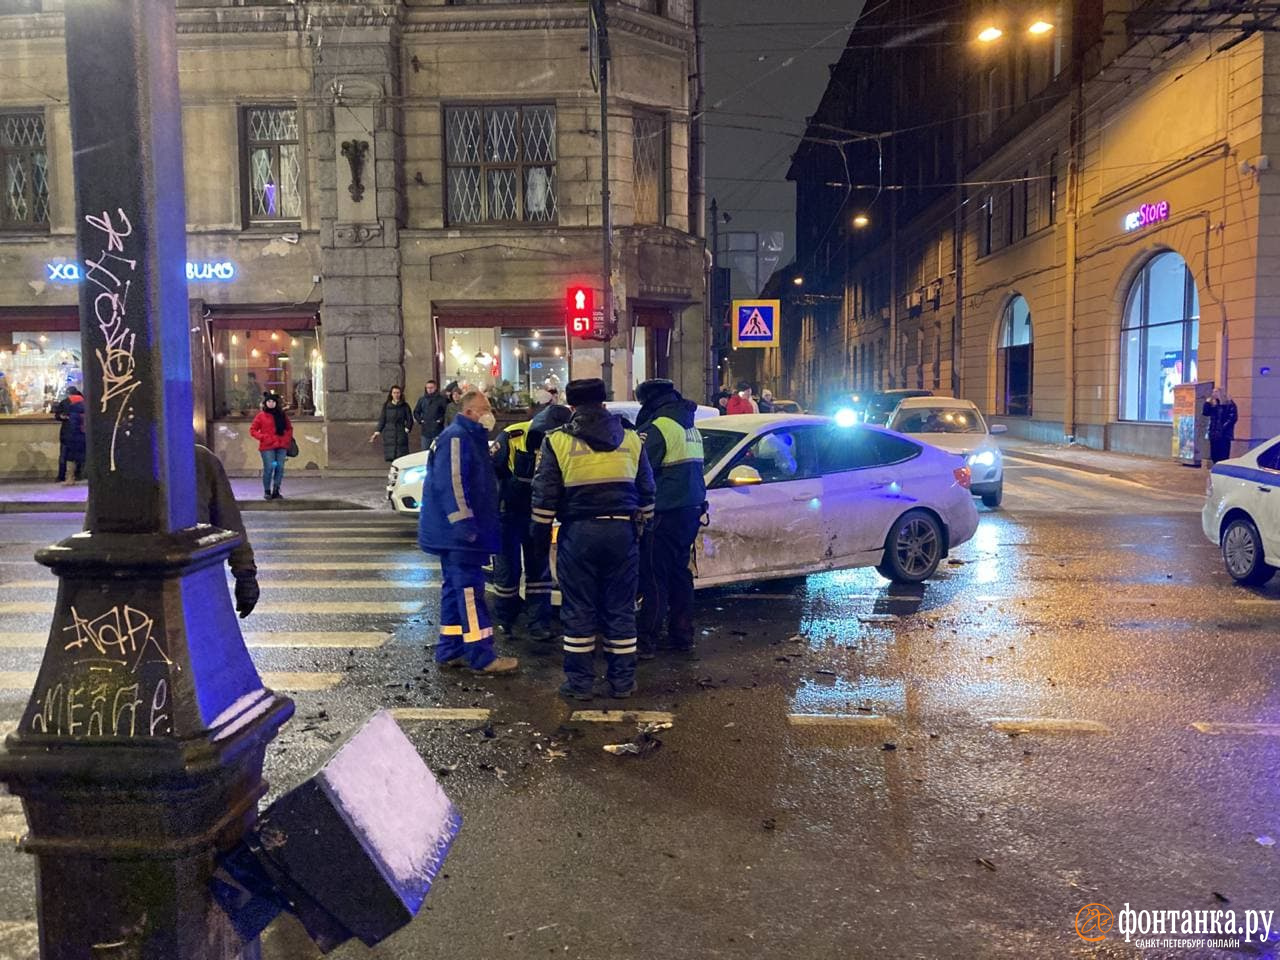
[(1241, 729), (763, 596), (347, 584), (409, 714), (358, 552), (840, 720), (19, 680), (20, 939), (299, 607), (339, 541), (339, 606), (344, 565), (302, 639), (622, 716), (1046, 725)]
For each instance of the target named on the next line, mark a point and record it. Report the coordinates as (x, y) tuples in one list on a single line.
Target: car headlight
[(846, 417), (413, 475), (983, 458)]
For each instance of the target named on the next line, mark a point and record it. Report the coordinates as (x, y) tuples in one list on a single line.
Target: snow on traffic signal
[(580, 311)]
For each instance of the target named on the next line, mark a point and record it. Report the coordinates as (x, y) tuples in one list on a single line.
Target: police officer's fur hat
[(580, 392), (654, 388)]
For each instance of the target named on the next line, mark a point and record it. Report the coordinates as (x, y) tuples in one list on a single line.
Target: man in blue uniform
[(458, 523), (594, 477), (513, 461), (674, 447)]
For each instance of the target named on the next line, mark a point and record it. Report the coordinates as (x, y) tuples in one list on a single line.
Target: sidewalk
[(304, 490), (1167, 475)]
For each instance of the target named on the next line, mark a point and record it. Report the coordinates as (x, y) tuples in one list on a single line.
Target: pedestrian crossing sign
[(755, 322)]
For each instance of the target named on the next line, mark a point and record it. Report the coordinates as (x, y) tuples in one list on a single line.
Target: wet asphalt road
[(837, 782)]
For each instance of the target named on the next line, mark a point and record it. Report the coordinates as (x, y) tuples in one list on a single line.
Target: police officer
[(513, 461), (674, 448), (458, 522), (594, 477)]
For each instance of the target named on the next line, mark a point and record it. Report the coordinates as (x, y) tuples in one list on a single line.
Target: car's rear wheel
[(993, 498), (1242, 552), (913, 549)]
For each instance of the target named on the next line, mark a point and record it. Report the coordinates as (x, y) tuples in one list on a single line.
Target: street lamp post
[(139, 755)]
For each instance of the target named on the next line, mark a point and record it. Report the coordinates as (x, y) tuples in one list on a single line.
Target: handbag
[(293, 448)]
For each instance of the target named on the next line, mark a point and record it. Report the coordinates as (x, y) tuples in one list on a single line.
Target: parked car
[(786, 406), (793, 495), (875, 408), (405, 477), (957, 426), (1242, 513)]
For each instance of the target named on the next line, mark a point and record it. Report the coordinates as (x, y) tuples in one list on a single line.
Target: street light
[(990, 34), (861, 220), (1039, 27), (798, 281)]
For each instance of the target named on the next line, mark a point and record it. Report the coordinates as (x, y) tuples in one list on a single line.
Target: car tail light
[(964, 476)]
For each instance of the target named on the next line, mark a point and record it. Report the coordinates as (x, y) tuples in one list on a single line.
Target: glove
[(246, 595)]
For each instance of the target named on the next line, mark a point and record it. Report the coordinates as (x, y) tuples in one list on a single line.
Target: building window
[(38, 362), (501, 164), (1014, 360), (649, 153), (249, 362), (24, 165), (273, 164), (1159, 338)]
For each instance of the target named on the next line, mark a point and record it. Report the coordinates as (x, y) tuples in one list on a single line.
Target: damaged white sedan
[(793, 495)]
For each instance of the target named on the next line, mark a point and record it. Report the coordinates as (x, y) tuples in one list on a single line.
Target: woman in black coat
[(1222, 413), (394, 425)]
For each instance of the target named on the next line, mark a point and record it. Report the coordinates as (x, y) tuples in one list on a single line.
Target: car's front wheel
[(993, 498), (1242, 552), (913, 548)]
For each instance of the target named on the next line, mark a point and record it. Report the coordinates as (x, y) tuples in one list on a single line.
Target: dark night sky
[(766, 68)]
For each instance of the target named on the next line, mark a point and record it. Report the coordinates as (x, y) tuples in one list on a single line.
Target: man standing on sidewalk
[(429, 412), (458, 522), (674, 447)]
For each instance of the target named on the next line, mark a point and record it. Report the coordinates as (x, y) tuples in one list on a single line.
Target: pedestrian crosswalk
[(333, 588)]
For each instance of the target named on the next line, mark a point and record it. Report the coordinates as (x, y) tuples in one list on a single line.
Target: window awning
[(264, 316), (40, 319)]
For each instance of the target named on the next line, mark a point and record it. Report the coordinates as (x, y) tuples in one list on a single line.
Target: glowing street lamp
[(1039, 28), (990, 34), (861, 220), (798, 281)]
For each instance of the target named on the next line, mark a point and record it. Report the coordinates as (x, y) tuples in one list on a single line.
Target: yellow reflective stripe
[(517, 442), (546, 520), (544, 511), (684, 445), (452, 630), (472, 632), (455, 469), (581, 466)]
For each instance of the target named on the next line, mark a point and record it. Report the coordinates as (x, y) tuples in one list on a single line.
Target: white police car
[(1242, 513)]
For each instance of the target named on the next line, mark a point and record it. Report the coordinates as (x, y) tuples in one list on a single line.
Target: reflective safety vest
[(517, 443), (682, 445), (582, 466)]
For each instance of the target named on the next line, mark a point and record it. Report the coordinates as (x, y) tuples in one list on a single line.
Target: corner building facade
[(1113, 226), (376, 195)]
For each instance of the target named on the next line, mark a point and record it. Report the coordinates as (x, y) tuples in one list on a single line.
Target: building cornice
[(552, 16)]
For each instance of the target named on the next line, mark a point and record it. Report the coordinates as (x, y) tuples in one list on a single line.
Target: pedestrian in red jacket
[(741, 401), (274, 433)]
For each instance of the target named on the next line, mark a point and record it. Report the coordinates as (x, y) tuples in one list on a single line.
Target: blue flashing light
[(846, 417)]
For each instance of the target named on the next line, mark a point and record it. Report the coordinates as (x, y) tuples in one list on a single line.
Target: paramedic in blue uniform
[(513, 461), (458, 522), (593, 476), (674, 447)]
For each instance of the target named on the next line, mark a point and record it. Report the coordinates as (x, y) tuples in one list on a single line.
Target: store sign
[(1146, 215), (70, 272)]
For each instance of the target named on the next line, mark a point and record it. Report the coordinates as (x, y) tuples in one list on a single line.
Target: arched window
[(1159, 338), (1013, 360)]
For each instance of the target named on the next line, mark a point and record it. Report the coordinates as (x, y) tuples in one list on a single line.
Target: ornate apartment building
[(1063, 221), (377, 194)]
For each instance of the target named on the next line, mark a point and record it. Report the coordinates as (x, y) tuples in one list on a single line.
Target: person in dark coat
[(458, 522), (593, 476), (216, 505), (720, 400), (453, 394), (674, 448), (71, 439), (394, 425), (429, 412), (1222, 413)]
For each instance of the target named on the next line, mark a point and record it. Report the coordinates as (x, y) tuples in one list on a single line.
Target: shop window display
[(1159, 340), (247, 363), (512, 364), (36, 368)]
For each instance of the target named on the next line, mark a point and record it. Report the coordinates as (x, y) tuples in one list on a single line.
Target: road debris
[(643, 743), (986, 863), (1266, 841)]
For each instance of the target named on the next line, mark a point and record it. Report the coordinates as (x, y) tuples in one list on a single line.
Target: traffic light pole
[(139, 755), (606, 218)]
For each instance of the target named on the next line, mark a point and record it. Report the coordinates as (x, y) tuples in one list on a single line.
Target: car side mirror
[(744, 476), (999, 428)]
